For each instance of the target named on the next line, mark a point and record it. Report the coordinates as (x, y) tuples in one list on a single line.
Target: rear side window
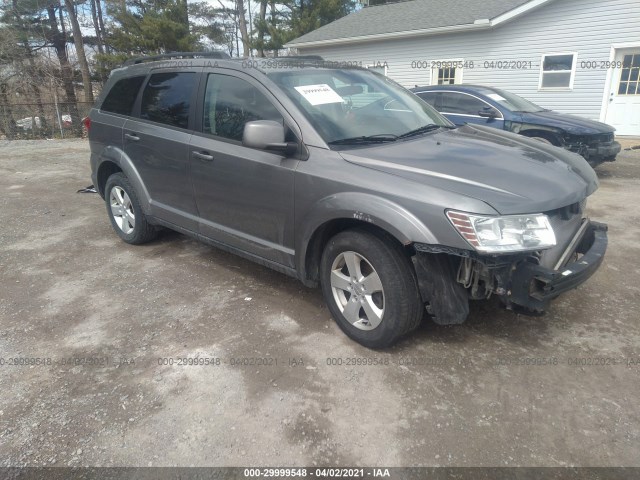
[(167, 97), (462, 104), (122, 95)]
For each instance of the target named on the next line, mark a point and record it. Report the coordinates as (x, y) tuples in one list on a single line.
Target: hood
[(511, 173), (568, 123)]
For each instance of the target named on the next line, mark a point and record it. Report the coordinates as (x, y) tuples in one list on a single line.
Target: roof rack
[(153, 58)]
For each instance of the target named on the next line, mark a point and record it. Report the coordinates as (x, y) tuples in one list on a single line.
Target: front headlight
[(511, 233)]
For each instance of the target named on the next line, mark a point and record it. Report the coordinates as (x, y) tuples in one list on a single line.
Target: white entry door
[(623, 111)]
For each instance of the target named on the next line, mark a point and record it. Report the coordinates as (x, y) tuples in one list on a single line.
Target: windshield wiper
[(423, 129), (379, 138)]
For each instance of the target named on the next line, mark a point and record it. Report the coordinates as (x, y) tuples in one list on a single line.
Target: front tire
[(125, 212), (370, 288)]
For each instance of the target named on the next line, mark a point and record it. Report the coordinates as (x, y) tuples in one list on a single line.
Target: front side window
[(350, 104), (166, 98), (558, 71), (230, 102), (461, 104), (122, 96), (513, 102)]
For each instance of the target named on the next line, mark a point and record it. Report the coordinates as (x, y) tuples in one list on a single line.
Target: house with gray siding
[(579, 57)]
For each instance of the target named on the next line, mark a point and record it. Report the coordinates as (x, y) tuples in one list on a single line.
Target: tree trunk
[(262, 26), (242, 22), (273, 25), (101, 25), (9, 128), (185, 18), (35, 88), (59, 43), (96, 26), (82, 57)]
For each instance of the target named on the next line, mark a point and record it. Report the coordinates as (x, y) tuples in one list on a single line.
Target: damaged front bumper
[(532, 286), (598, 153), (449, 277)]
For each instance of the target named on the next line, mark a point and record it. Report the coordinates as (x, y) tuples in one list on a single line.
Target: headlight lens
[(511, 233)]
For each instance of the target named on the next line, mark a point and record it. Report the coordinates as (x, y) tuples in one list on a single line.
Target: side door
[(157, 142), (463, 108), (623, 110), (244, 195)]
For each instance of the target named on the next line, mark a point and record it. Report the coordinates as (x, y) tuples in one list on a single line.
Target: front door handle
[(132, 137), (203, 156)]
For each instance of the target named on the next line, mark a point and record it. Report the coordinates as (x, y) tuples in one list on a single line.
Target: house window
[(630, 75), (446, 76), (446, 72), (557, 71)]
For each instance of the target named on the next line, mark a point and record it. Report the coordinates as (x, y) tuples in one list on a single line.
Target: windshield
[(513, 102), (357, 106)]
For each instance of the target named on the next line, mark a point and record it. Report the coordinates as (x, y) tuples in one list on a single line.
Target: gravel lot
[(106, 316)]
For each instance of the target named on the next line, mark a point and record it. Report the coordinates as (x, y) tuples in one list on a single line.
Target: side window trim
[(135, 112), (194, 96), (202, 89), (501, 117)]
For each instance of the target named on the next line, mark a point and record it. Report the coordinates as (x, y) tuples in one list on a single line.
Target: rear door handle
[(203, 156), (132, 137)]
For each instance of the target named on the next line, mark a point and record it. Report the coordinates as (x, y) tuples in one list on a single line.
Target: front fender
[(119, 157), (363, 207)]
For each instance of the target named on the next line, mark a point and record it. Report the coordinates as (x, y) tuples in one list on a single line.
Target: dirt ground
[(108, 324)]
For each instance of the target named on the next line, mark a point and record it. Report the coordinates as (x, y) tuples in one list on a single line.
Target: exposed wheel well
[(554, 138), (105, 170), (327, 230)]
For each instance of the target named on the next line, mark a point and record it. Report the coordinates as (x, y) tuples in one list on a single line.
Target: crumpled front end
[(525, 282), (595, 149)]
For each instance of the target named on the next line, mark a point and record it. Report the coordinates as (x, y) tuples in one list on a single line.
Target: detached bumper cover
[(533, 286), (597, 152), (605, 151)]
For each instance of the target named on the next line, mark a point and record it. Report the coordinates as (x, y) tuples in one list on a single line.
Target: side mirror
[(267, 135), (488, 112)]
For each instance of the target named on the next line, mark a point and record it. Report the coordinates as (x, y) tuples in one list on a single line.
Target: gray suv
[(341, 178)]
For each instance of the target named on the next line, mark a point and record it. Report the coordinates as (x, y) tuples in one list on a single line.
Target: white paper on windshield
[(496, 97), (319, 94)]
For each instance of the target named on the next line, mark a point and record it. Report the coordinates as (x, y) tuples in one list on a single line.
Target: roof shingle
[(408, 16)]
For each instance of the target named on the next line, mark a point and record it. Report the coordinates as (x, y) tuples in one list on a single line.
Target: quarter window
[(558, 71), (630, 75), (167, 97), (230, 102), (122, 96)]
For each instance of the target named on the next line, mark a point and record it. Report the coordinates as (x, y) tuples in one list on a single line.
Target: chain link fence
[(43, 120)]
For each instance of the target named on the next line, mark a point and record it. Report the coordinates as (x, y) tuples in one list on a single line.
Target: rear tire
[(370, 287), (125, 212)]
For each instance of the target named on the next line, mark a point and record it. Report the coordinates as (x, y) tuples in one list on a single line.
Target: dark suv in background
[(342, 178), (496, 108)]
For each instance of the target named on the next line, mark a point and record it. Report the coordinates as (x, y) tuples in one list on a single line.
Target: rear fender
[(117, 156)]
